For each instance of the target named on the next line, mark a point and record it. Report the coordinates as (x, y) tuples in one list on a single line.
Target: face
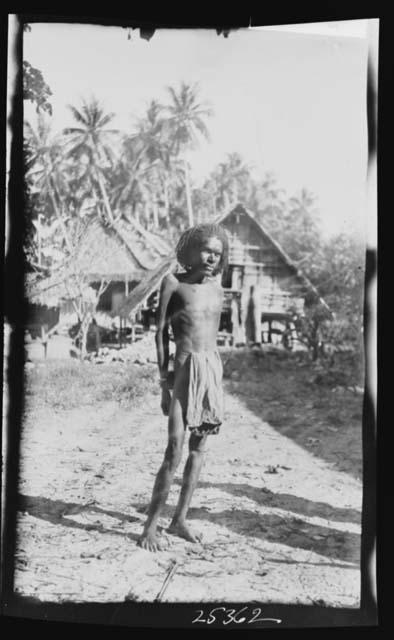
[(206, 258)]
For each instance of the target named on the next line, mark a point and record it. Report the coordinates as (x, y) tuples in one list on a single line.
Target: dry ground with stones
[(278, 503)]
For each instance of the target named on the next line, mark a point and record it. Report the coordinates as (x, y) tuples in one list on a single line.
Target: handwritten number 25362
[(231, 615)]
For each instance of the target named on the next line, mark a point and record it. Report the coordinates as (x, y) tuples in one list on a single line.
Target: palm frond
[(79, 117)]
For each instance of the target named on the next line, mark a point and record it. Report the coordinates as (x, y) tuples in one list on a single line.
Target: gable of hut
[(262, 285), (255, 261)]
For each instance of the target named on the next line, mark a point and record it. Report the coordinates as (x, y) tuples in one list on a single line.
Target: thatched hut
[(113, 258), (263, 287)]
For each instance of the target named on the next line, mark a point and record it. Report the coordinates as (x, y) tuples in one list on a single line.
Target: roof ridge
[(148, 235), (135, 254), (278, 247)]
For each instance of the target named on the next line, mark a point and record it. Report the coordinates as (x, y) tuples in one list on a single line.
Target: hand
[(165, 400)]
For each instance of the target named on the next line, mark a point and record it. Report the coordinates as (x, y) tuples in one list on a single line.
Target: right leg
[(172, 458)]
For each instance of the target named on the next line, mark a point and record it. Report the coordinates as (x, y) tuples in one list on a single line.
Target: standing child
[(191, 302)]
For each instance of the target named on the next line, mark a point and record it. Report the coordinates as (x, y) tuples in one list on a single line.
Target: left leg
[(191, 474)]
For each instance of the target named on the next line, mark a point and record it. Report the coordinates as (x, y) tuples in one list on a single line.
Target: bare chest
[(201, 299)]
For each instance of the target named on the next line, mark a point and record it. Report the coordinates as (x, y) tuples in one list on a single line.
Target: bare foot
[(149, 541), (182, 530)]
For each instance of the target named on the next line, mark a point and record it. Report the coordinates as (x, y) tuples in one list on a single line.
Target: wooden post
[(44, 338), (126, 291)]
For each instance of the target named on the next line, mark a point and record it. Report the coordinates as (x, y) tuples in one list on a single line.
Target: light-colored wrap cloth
[(198, 386)]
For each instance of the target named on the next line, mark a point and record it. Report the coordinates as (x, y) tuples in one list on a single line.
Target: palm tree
[(153, 149), (303, 228), (148, 171), (303, 201), (268, 200), (45, 170), (185, 126), (92, 145), (143, 160), (239, 175), (232, 179), (128, 175), (150, 132), (221, 179)]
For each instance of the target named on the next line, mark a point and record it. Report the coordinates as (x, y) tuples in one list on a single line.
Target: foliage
[(35, 88), (184, 127), (92, 170), (339, 276)]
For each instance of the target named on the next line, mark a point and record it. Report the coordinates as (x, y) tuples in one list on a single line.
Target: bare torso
[(194, 313)]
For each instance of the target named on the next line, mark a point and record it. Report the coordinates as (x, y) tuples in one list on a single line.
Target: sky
[(290, 99)]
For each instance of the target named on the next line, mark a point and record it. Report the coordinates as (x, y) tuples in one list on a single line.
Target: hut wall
[(114, 294), (255, 262)]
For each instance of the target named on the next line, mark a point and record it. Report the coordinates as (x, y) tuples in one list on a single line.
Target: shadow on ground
[(289, 531), (56, 512), (285, 501), (283, 529), (296, 400)]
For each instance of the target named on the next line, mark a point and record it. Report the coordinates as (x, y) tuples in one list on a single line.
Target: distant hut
[(263, 288), (120, 255)]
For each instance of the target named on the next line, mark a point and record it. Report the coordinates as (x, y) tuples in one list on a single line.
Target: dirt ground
[(278, 503)]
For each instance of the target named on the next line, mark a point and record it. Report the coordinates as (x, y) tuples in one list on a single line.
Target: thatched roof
[(306, 284), (147, 286), (121, 251), (153, 278)]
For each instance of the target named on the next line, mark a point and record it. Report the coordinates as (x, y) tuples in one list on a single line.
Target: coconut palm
[(149, 133), (302, 201), (185, 126), (92, 144), (148, 171), (221, 179), (239, 175), (130, 178), (142, 161), (302, 233), (46, 171), (232, 179)]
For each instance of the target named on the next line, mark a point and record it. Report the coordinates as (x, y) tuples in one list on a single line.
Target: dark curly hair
[(194, 238)]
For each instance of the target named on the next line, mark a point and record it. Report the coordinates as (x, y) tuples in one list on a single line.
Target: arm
[(168, 286)]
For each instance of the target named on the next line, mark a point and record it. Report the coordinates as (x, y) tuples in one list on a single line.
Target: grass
[(70, 384), (67, 384), (299, 399)]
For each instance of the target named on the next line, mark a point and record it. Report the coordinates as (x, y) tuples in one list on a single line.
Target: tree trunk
[(188, 194), (315, 342), (226, 200), (155, 214), (59, 217), (166, 201), (137, 213), (147, 214), (105, 197), (39, 247), (84, 334)]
